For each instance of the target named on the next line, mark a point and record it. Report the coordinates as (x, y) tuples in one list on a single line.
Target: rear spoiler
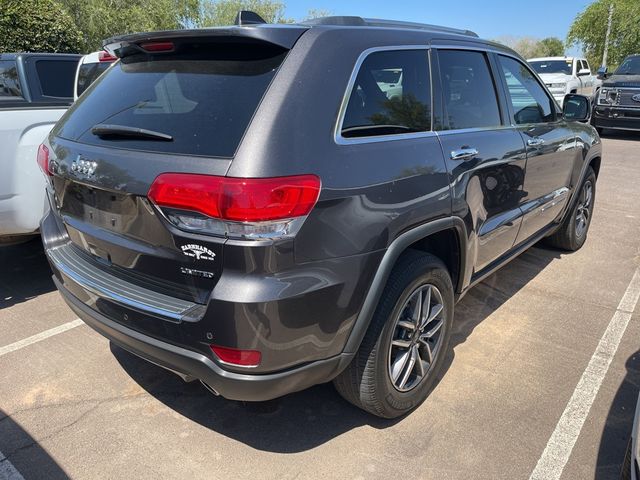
[(284, 36)]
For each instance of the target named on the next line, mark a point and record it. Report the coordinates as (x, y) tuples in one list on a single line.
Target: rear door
[(550, 143), (197, 98), (485, 155)]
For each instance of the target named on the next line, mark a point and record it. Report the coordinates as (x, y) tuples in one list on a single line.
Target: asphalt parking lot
[(71, 405)]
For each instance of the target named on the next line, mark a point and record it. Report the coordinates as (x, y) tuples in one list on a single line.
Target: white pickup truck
[(35, 90), (564, 75)]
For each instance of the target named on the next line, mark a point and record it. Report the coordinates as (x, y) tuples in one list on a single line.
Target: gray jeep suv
[(268, 207)]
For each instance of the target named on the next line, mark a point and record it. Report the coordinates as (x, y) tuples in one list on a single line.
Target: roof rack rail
[(375, 22)]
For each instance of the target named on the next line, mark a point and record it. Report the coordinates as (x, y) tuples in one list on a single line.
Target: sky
[(488, 18)]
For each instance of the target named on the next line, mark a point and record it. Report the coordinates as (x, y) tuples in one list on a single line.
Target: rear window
[(203, 96), (56, 77), (9, 82), (88, 73)]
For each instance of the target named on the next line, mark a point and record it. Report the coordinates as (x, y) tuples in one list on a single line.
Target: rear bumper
[(187, 363), (617, 118)]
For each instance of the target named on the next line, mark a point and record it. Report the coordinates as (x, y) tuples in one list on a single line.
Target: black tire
[(570, 236), (367, 382)]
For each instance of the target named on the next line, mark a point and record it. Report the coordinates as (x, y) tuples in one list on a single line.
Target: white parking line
[(40, 336), (559, 447), (7, 470)]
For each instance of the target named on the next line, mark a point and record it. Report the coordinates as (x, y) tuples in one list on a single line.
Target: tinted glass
[(553, 66), (530, 102), (468, 90), (88, 73), (9, 83), (56, 77), (391, 95), (630, 66), (203, 98)]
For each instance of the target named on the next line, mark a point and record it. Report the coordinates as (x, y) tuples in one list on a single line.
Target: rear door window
[(9, 81), (203, 98), (391, 95), (469, 92), (56, 77)]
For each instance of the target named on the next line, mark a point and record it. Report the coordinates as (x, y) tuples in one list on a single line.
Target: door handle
[(464, 154), (535, 142)]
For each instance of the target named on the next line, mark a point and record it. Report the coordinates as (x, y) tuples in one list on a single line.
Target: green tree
[(589, 30), (530, 47), (101, 19), (223, 12), (550, 47), (37, 26)]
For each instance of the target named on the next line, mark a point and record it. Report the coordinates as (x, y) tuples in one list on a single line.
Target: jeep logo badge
[(636, 97), (84, 167)]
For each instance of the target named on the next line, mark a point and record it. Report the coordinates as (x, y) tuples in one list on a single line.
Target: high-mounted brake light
[(241, 207), (105, 56), (43, 160), (157, 46), (234, 356)]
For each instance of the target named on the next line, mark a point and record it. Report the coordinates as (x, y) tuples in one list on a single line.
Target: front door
[(551, 147)]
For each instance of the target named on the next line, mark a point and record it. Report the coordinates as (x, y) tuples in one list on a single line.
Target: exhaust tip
[(210, 388)]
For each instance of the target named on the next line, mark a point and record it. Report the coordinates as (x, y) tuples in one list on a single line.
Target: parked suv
[(247, 206)]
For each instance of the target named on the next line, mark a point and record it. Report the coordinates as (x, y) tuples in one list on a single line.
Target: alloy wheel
[(583, 212), (416, 338)]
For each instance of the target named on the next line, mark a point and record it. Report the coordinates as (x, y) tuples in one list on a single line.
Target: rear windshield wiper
[(103, 130)]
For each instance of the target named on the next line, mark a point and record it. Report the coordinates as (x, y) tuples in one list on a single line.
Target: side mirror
[(602, 72), (584, 71), (576, 108)]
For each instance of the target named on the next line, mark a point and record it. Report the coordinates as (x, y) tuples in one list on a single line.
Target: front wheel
[(402, 352), (573, 232)]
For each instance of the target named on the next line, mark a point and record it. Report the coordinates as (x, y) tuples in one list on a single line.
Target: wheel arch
[(425, 237)]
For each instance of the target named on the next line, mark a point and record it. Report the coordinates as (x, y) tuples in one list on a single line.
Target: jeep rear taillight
[(43, 160), (236, 207)]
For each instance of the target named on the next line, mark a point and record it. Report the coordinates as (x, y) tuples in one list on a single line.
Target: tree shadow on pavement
[(24, 273), (307, 419), (25, 454), (617, 429)]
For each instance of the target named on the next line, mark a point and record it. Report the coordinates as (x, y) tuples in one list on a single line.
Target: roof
[(250, 26)]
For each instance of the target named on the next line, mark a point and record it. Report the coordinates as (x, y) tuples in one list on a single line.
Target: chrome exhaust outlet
[(210, 388)]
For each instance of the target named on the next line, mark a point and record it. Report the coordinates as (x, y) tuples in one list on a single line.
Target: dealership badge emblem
[(198, 252), (636, 97), (84, 167)]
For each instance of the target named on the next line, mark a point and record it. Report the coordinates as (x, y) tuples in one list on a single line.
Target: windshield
[(630, 66), (203, 98), (553, 66)]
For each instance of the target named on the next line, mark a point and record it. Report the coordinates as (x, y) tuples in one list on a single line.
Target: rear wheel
[(401, 354), (573, 232)]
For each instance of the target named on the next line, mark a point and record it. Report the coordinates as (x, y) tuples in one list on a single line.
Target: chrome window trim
[(337, 134)]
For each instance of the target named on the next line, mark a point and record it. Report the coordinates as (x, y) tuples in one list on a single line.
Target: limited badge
[(198, 252)]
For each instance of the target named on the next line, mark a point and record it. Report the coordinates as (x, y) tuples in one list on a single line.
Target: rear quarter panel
[(371, 192)]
